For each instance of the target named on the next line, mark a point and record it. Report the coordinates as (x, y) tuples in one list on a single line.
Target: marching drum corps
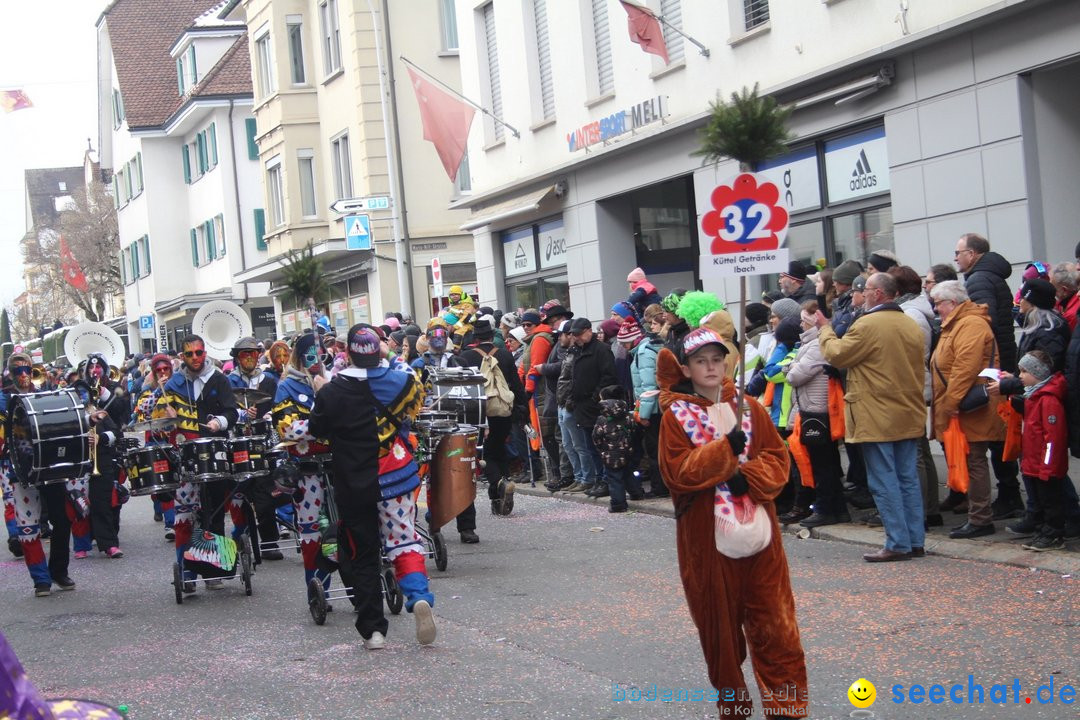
[(323, 446)]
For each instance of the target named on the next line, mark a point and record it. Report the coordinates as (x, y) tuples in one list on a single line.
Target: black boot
[(15, 547), (1008, 503)]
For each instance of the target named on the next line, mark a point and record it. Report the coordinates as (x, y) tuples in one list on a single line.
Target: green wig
[(671, 302), (696, 305)]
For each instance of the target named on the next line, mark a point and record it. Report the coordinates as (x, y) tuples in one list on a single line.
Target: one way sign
[(357, 232)]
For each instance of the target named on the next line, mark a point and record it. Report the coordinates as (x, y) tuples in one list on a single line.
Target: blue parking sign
[(357, 232)]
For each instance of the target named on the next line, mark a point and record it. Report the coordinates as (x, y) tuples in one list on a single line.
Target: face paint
[(311, 358)]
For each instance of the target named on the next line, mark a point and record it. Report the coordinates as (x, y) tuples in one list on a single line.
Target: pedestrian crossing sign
[(357, 232)]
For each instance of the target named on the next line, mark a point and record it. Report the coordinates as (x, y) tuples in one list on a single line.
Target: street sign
[(351, 205), (357, 232), (163, 338), (747, 224), (146, 327), (436, 276)]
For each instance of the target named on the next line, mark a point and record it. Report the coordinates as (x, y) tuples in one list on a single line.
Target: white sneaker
[(425, 622), (377, 641)]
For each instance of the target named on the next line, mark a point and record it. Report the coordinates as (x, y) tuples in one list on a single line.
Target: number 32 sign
[(747, 225)]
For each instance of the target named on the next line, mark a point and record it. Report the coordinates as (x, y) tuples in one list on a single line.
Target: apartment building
[(913, 123), (174, 106), (319, 131)]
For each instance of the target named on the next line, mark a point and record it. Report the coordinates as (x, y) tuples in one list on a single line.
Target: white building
[(174, 105), (961, 110)]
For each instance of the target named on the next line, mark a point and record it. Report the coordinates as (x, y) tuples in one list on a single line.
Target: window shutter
[(115, 192), (200, 151), (146, 252), (180, 75), (194, 248), (671, 11), (123, 269), (220, 222), (211, 249), (543, 57), (493, 66), (605, 72), (191, 62), (260, 229), (253, 147), (213, 145), (135, 260), (187, 164)]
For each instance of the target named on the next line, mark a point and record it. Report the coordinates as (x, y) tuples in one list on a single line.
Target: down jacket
[(643, 372), (985, 284), (806, 375)]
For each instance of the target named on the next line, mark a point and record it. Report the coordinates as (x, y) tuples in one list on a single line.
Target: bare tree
[(90, 230)]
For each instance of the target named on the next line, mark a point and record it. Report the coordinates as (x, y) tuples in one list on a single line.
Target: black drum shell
[(48, 437), (152, 469), (205, 459)]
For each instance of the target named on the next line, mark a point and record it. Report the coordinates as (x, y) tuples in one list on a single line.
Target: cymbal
[(284, 444), (155, 425), (250, 396)]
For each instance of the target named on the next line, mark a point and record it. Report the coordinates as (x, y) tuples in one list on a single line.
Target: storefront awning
[(509, 209), (271, 270)]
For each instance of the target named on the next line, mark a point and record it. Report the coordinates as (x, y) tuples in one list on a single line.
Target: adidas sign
[(862, 177)]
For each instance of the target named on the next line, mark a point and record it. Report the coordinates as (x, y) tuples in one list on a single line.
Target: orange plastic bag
[(801, 454), (534, 420), (956, 452), (1014, 424), (768, 395), (836, 409)]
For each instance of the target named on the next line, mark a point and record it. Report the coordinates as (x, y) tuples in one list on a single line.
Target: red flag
[(12, 100), (446, 122), (645, 30), (73, 273)]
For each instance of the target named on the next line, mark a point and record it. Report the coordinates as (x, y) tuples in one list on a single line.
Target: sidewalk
[(998, 548)]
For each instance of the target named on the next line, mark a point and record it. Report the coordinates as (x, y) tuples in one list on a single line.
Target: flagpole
[(449, 89), (701, 48)]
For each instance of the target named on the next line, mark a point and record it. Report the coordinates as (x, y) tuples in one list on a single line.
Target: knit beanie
[(1039, 293), (756, 314), (629, 332), (636, 275), (881, 260), (788, 331), (671, 303), (610, 328), (786, 308), (1036, 367), (846, 272), (622, 309)]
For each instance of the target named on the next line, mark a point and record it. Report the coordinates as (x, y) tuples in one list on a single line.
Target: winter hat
[(882, 260), (364, 348), (510, 320), (553, 311), (398, 336), (1036, 270), (483, 331), (671, 302), (160, 359), (1036, 367), (629, 332), (304, 343), (859, 283), (486, 310), (610, 328), (700, 338), (756, 314), (622, 309), (518, 334), (392, 322), (771, 296), (786, 308), (613, 392), (531, 317), (413, 330), (456, 290), (796, 270), (846, 272), (636, 275), (1039, 293), (788, 331)]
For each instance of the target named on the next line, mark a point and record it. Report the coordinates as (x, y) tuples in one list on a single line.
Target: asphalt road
[(555, 608)]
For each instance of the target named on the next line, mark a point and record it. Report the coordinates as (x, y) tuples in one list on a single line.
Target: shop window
[(536, 292), (857, 236), (665, 232)]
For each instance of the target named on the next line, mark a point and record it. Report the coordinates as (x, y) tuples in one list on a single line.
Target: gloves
[(832, 373), (737, 484), (737, 439), (1011, 386)]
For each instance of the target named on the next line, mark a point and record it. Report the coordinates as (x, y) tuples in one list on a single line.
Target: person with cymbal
[(202, 401), (255, 390)]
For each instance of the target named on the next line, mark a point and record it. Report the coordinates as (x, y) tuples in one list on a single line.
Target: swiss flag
[(645, 30), (446, 122), (73, 273)]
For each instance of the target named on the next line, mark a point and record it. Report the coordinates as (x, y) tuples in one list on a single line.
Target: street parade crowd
[(874, 362)]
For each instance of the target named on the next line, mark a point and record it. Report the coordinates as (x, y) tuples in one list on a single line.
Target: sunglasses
[(21, 370), (248, 353), (194, 353), (162, 370)]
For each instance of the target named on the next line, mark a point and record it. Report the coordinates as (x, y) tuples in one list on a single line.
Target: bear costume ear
[(668, 370)]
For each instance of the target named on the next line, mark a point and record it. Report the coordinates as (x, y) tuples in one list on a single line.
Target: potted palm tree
[(303, 275)]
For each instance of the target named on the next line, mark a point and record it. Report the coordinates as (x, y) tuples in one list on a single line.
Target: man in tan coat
[(884, 410)]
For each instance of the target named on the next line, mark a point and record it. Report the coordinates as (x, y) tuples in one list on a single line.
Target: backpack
[(500, 398)]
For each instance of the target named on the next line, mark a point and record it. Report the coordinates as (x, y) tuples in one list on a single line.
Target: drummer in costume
[(28, 502), (110, 401), (247, 375), (151, 405), (304, 375), (202, 401), (362, 411)]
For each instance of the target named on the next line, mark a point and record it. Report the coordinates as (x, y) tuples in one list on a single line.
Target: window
[(142, 252), (193, 73), (118, 108), (186, 73), (212, 142), (219, 235), (210, 238), (755, 12), (126, 267), (260, 229), (463, 184), (264, 56), (294, 30), (125, 278), (198, 246), (137, 165), (671, 11), (331, 36), (665, 232), (251, 129), (605, 71), (448, 24), (274, 192), (306, 171), (543, 60), (342, 163), (494, 86)]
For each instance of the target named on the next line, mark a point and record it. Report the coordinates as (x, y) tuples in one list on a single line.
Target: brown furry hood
[(674, 385)]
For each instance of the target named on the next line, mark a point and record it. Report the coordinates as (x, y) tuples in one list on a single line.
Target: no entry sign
[(747, 225)]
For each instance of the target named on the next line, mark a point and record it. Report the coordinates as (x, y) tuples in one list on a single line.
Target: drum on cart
[(453, 467), (252, 428), (48, 437), (460, 391), (248, 457), (152, 469), (205, 459)]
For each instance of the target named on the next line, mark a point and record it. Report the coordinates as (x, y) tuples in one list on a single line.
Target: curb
[(1004, 553)]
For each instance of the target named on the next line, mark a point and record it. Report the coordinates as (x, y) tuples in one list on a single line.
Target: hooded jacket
[(613, 434), (985, 284), (643, 372), (964, 349), (1044, 445), (806, 375), (918, 308)]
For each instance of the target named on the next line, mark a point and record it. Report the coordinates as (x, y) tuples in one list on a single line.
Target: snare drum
[(252, 428), (205, 459), (48, 437), (248, 456), (152, 469)]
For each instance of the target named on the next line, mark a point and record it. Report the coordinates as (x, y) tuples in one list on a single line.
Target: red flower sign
[(745, 217)]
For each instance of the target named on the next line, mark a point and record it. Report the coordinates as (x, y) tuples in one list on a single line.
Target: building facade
[(911, 127), (174, 104), (320, 139)]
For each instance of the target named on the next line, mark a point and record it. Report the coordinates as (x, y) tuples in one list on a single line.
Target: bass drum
[(47, 437), (453, 466)]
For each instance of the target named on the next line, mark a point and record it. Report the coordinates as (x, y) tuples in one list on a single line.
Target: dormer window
[(187, 74)]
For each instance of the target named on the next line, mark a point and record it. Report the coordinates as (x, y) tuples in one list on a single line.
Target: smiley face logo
[(862, 693)]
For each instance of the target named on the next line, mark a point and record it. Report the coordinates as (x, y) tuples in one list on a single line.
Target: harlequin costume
[(151, 406), (732, 601)]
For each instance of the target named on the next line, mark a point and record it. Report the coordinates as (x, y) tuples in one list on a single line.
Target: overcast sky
[(49, 51)]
